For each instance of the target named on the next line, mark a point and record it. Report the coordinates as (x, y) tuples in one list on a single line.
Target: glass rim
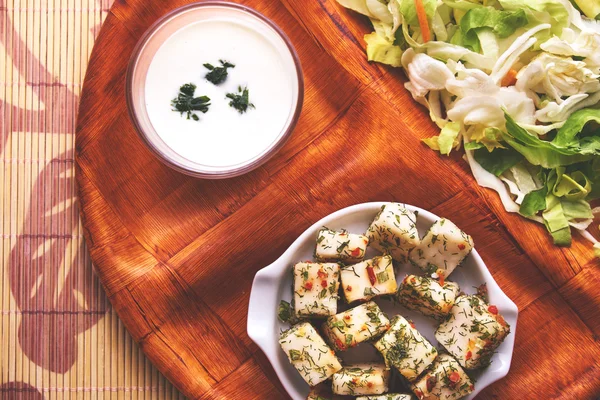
[(141, 129)]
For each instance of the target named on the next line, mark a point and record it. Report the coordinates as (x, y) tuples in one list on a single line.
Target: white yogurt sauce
[(223, 137)]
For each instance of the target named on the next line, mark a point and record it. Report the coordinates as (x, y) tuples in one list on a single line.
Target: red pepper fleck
[(366, 240), (472, 387), (413, 280), (501, 320), (322, 274), (308, 286), (324, 283), (454, 377), (461, 246), (347, 317), (369, 384), (442, 280), (372, 277), (493, 310), (418, 393), (355, 252), (412, 324), (339, 344), (469, 355), (431, 382), (348, 288)]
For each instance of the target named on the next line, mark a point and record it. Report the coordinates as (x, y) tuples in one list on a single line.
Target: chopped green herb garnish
[(217, 75), (185, 102), (285, 313), (295, 355), (349, 340), (383, 277), (240, 101)]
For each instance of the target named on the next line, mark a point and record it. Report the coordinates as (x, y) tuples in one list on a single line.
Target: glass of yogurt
[(221, 142)]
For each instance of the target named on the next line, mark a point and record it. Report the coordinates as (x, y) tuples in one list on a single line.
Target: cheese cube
[(368, 279), (472, 332), (389, 396), (340, 246), (316, 289), (444, 380), (403, 347), (442, 249), (394, 231), (427, 296), (309, 354), (358, 324), (361, 379)]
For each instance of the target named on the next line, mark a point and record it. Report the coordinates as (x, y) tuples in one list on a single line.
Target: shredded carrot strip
[(422, 16), (510, 79)]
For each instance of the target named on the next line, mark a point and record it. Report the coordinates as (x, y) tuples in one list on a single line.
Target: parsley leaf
[(217, 75), (240, 101), (185, 102)]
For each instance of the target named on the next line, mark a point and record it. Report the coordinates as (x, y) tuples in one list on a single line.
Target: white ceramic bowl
[(159, 33), (273, 283)]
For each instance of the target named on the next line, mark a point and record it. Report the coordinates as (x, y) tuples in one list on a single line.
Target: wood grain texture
[(177, 255)]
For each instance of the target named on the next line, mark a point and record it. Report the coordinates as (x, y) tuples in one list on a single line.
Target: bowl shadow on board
[(273, 283)]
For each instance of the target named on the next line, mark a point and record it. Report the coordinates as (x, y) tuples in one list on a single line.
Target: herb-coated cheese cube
[(472, 331), (444, 380), (368, 279), (361, 379), (354, 326), (340, 246), (442, 249), (427, 296), (309, 354), (389, 396), (394, 231), (403, 347), (316, 289)]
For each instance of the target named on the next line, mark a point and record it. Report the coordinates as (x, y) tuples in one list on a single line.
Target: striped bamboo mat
[(59, 338)]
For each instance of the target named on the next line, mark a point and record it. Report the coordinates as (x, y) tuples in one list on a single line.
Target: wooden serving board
[(177, 255)]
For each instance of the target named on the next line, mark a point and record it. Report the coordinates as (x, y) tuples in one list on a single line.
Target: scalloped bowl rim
[(266, 294)]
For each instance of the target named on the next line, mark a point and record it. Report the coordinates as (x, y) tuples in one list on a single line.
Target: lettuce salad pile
[(514, 82)]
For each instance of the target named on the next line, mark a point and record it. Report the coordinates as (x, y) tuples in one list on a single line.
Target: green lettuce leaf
[(534, 202), (556, 222), (557, 153), (502, 23), (573, 187), (577, 210), (545, 11), (592, 171), (590, 8), (379, 49), (409, 12), (575, 125), (497, 161), (474, 146), (463, 5), (446, 140)]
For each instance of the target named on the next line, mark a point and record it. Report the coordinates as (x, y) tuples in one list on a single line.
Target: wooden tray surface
[(177, 255)]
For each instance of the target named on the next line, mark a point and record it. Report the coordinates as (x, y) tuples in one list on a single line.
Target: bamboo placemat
[(59, 338)]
